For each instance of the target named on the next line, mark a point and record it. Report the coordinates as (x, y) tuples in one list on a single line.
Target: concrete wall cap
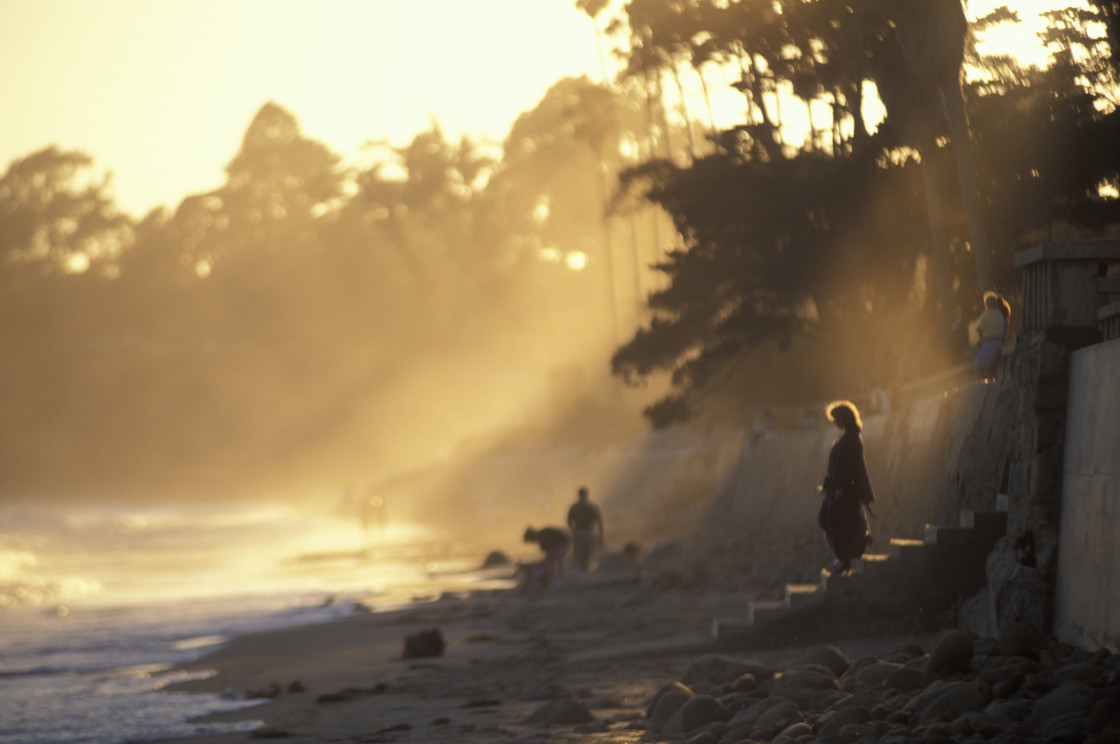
[(1096, 249)]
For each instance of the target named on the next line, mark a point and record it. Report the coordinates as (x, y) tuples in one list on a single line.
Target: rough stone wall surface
[(1087, 593), (1022, 567)]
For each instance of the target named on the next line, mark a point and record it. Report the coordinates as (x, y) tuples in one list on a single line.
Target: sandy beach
[(510, 656)]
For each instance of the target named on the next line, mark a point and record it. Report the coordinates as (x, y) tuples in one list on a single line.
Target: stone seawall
[(1087, 602)]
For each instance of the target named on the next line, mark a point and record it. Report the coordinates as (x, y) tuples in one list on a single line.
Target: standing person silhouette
[(992, 330), (847, 490), (586, 523)]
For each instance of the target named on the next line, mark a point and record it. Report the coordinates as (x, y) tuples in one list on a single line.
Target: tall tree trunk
[(962, 147), (707, 97), (860, 135), (745, 77), (939, 246)]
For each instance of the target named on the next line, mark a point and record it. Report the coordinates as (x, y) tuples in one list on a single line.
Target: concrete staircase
[(948, 561)]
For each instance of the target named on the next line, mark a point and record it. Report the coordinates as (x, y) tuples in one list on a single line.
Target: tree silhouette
[(55, 217)]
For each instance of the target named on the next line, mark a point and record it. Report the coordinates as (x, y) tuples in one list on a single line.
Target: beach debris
[(424, 644), (496, 559), (551, 690), (352, 693), (565, 711), (594, 727), (270, 733), (296, 686), (481, 703), (1052, 692), (272, 690), (615, 700), (622, 561), (394, 727), (484, 638)]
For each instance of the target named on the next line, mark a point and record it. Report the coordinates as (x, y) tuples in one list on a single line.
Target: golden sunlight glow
[(576, 260), (541, 210), (1019, 40), (77, 263), (550, 254)]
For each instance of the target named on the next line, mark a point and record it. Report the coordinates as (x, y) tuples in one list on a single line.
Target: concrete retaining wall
[(1087, 602), (927, 461)]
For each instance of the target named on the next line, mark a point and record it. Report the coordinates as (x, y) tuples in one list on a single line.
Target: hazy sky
[(160, 91)]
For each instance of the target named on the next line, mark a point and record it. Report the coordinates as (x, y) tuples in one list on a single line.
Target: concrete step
[(869, 561), (911, 551), (731, 628), (951, 536), (860, 566), (978, 529), (837, 582), (799, 596), (991, 523), (762, 610)]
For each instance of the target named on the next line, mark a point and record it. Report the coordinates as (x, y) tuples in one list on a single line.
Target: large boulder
[(565, 711), (696, 713), (951, 654), (425, 644), (720, 669), (1019, 639), (826, 655), (665, 704)]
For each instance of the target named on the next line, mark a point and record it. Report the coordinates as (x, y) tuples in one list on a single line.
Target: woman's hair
[(996, 301), (846, 414)]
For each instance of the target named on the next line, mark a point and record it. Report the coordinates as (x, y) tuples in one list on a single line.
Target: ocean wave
[(47, 592)]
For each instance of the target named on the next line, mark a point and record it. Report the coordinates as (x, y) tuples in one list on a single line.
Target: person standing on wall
[(586, 523), (847, 490), (992, 332)]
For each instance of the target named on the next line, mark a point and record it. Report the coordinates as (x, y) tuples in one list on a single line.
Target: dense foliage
[(859, 246)]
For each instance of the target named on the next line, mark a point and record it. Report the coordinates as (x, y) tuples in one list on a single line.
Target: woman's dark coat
[(843, 517)]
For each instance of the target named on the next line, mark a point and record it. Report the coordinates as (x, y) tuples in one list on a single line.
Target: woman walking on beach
[(847, 490)]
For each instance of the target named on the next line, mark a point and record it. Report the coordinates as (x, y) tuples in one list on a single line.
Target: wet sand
[(508, 654)]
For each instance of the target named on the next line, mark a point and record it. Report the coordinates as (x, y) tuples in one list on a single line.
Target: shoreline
[(509, 653)]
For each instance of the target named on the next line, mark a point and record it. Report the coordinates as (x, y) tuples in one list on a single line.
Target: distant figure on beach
[(847, 490), (554, 542), (992, 332), (766, 428), (372, 510), (586, 523)]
